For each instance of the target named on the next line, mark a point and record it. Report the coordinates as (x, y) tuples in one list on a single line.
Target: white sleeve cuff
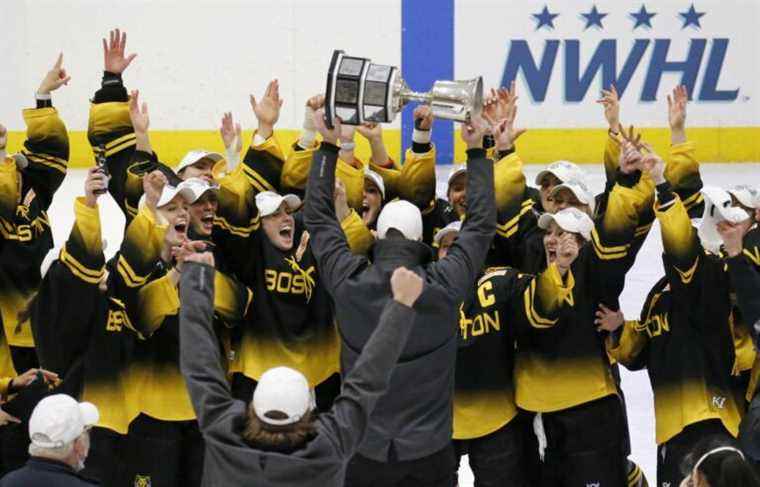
[(42, 97), (421, 136)]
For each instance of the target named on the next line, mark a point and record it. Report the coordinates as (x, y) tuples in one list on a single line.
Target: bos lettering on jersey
[(484, 322), (300, 281)]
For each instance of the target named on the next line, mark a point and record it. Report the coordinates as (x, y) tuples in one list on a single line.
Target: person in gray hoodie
[(278, 440)]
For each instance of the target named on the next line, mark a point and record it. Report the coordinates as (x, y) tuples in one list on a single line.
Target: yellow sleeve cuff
[(359, 237)]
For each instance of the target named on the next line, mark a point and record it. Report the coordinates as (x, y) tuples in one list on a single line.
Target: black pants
[(163, 453), (508, 456), (436, 470), (24, 358), (671, 454), (106, 462), (326, 392), (585, 445), (14, 446)]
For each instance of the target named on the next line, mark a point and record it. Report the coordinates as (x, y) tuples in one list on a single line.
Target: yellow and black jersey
[(25, 234), (562, 362), (111, 134), (291, 317), (83, 333), (155, 362), (684, 336), (484, 393)]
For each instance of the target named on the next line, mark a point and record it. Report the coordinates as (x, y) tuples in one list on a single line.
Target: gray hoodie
[(229, 460)]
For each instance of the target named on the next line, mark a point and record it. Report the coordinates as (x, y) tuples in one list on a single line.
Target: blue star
[(594, 18), (691, 17), (545, 19), (642, 18)]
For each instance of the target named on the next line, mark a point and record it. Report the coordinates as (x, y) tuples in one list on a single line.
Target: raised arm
[(458, 270), (745, 276), (328, 242), (368, 380), (199, 357)]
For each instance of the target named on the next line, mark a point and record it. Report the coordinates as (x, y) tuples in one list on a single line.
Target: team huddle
[(297, 316)]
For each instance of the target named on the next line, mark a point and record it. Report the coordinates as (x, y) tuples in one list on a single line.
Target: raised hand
[(30, 376), (341, 201), (611, 102), (202, 258), (424, 114), (138, 114), (630, 158), (328, 135), (473, 132), (567, 252), (267, 110), (733, 234), (608, 320), (55, 78), (653, 165), (677, 114), (504, 131), (316, 102), (188, 251), (95, 185), (371, 131), (114, 60), (153, 186), (231, 133), (406, 286)]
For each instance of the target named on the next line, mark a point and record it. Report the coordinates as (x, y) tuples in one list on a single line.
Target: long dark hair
[(726, 468)]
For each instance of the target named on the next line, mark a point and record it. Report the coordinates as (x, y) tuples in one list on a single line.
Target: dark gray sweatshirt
[(321, 462)]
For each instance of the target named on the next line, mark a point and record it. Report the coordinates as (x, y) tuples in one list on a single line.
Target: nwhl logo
[(705, 56)]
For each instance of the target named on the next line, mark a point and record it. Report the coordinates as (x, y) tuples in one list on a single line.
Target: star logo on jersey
[(143, 481)]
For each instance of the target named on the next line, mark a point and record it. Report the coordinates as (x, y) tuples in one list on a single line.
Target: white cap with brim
[(453, 227), (456, 171), (562, 170), (282, 391), (579, 189), (170, 192), (570, 220), (746, 195), (198, 186), (59, 419), (196, 156), (718, 208), (401, 216), (268, 202), (376, 179)]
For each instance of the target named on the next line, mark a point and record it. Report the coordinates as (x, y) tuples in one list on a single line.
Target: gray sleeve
[(200, 359), (328, 242), (347, 422), (459, 269)]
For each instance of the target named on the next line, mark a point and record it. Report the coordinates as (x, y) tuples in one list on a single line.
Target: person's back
[(43, 472), (412, 422)]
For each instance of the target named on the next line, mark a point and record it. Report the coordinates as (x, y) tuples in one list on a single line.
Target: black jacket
[(414, 419), (41, 472), (229, 460)]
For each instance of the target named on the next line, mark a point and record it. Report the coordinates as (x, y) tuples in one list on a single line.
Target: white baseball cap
[(376, 179), (746, 195), (453, 227), (196, 156), (570, 220), (402, 216), (456, 171), (718, 207), (198, 186), (169, 192), (268, 202), (59, 419), (563, 170), (282, 390), (579, 189)]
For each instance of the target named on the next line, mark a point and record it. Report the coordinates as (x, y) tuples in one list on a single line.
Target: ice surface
[(646, 271)]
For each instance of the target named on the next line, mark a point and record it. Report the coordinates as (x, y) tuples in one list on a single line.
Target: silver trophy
[(359, 91)]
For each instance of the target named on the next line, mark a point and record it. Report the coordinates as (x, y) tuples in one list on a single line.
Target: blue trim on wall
[(427, 55)]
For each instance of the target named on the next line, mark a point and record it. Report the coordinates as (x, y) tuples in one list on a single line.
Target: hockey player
[(409, 436), (279, 440), (684, 339)]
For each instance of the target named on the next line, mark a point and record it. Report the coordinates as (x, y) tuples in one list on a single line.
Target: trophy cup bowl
[(359, 91)]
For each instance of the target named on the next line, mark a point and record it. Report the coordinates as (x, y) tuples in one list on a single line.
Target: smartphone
[(100, 162)]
